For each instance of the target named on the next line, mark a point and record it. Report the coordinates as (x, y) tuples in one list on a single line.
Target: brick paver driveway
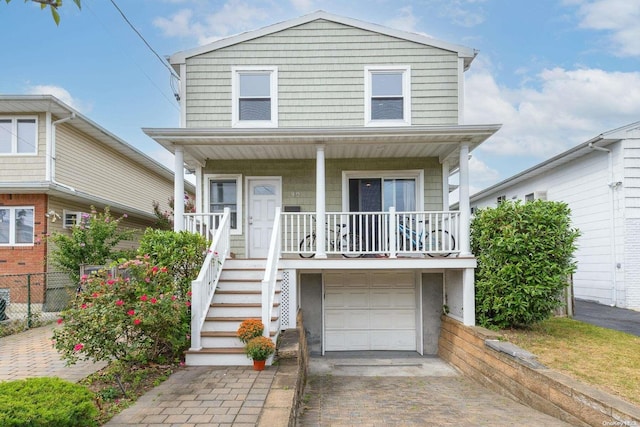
[(358, 392)]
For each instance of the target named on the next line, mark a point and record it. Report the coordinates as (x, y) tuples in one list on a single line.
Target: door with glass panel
[(264, 197)]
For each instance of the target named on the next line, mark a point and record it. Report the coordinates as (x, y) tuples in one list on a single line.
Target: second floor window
[(387, 96), (18, 135), (255, 97)]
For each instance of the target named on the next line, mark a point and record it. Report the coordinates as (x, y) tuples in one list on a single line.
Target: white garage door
[(370, 311)]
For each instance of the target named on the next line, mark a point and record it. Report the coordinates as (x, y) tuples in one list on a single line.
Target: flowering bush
[(92, 241), (165, 218), (142, 316), (250, 328), (259, 348)]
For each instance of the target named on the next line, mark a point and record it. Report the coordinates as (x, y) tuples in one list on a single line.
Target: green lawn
[(606, 359)]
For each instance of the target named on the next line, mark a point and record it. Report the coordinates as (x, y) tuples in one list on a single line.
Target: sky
[(554, 73)]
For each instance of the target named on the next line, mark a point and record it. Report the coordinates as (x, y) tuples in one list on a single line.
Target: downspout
[(612, 224), (52, 159)]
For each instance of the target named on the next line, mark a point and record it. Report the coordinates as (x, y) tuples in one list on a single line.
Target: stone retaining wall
[(511, 371)]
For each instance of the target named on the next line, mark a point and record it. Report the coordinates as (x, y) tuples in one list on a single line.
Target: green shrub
[(92, 241), (143, 317), (525, 258), (40, 402), (181, 252)]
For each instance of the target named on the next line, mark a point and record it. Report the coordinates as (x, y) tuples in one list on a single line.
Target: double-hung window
[(16, 225), (18, 135), (387, 96), (225, 191), (255, 97)]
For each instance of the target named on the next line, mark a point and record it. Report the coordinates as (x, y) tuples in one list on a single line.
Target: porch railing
[(376, 233), (202, 223), (203, 288), (270, 275)]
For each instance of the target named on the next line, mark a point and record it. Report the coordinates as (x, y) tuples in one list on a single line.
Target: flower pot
[(258, 365)]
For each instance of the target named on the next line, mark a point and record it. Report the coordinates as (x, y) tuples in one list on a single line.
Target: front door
[(264, 197)]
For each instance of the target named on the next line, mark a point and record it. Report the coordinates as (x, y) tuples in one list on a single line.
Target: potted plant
[(259, 349), (250, 328)]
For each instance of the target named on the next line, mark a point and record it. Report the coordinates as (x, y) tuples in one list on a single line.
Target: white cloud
[(564, 108), (618, 17), (59, 92), (303, 5), (233, 17), (405, 20)]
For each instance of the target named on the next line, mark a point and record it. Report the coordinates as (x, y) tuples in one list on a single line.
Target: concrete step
[(230, 324), (244, 274), (247, 310), (223, 339), (240, 296)]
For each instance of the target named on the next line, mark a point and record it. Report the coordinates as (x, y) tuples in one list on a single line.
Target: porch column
[(445, 185), (320, 203), (465, 209), (178, 190), (468, 297)]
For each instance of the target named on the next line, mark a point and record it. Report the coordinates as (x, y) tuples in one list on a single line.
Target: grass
[(603, 358), (117, 387)]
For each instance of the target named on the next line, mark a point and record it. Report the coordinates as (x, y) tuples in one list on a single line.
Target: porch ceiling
[(296, 143)]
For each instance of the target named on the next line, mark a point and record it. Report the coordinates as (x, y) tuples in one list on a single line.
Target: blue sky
[(555, 73)]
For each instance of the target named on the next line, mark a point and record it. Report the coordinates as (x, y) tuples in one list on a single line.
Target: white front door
[(264, 197)]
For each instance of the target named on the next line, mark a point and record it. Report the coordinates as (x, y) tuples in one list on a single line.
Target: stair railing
[(270, 275), (203, 288)]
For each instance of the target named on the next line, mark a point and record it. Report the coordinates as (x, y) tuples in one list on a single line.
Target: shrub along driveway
[(404, 391)]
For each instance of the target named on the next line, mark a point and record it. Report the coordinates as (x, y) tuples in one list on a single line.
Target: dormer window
[(387, 96), (255, 97)]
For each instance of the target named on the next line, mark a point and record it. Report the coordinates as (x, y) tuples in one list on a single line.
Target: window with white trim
[(71, 218), (255, 96), (225, 191), (16, 225), (387, 95), (18, 135)]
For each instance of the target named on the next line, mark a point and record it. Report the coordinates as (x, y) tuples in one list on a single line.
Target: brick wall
[(517, 374), (25, 259)]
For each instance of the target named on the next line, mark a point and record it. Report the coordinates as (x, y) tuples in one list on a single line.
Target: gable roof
[(571, 154), (463, 52)]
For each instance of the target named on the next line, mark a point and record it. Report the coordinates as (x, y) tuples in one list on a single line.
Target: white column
[(178, 190), (320, 203), (468, 297), (465, 209), (445, 185)]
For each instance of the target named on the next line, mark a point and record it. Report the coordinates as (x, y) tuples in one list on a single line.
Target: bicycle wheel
[(350, 246), (442, 241), (307, 245)]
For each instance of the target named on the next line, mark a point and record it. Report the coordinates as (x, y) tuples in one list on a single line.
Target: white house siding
[(26, 168), (631, 185), (583, 185), (93, 168), (317, 69)]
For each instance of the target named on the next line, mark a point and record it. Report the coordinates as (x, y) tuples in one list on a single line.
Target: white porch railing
[(270, 275), (353, 234), (202, 223), (203, 288)]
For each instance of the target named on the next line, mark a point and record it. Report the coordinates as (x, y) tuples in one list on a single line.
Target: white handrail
[(203, 288), (202, 223), (271, 274)]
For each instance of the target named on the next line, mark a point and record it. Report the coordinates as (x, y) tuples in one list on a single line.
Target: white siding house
[(600, 181), (326, 140)]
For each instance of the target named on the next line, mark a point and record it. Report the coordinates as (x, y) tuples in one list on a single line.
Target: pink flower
[(147, 279), (111, 282), (189, 293), (173, 297), (143, 298), (136, 321), (78, 347), (83, 306), (95, 295), (153, 300), (125, 216), (188, 303), (131, 312), (84, 278), (60, 321), (155, 269), (119, 303), (164, 269)]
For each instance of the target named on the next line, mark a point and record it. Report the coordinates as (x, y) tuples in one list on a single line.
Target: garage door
[(370, 311)]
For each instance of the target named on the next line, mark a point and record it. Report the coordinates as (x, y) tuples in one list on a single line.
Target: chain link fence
[(31, 300)]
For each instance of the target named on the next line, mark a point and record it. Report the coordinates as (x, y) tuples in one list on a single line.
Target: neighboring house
[(54, 165), (340, 128), (600, 181)]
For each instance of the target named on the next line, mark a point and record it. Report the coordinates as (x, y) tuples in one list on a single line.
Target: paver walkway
[(341, 399), (31, 354)]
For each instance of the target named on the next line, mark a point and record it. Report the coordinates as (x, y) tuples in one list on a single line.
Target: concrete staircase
[(237, 297)]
